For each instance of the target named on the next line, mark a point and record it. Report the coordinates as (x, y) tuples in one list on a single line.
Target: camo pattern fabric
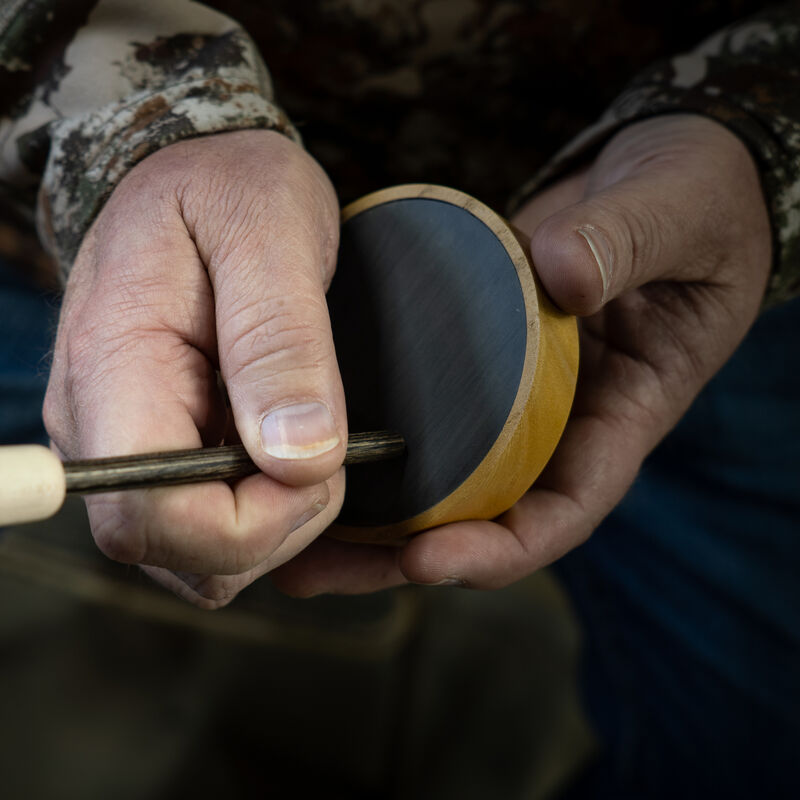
[(129, 78), (475, 94), (747, 77)]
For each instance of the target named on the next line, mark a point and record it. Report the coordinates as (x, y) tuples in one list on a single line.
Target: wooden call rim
[(544, 396)]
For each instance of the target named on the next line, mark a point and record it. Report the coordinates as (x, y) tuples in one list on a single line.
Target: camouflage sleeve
[(94, 87), (746, 77)]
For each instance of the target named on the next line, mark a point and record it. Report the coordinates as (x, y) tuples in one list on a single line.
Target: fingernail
[(297, 432), (601, 251), (308, 516)]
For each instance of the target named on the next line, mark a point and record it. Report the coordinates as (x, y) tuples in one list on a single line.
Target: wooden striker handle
[(32, 483)]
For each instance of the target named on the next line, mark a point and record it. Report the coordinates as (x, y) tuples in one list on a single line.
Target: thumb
[(279, 365), (655, 209), (619, 238), (269, 259)]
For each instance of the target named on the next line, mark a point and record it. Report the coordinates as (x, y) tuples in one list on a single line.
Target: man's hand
[(662, 246), (213, 255)]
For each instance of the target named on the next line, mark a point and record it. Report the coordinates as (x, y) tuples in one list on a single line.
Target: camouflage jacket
[(470, 93)]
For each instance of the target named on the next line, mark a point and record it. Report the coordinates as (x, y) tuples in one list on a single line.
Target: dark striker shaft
[(176, 467)]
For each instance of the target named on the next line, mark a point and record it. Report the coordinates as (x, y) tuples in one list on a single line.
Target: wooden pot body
[(445, 335)]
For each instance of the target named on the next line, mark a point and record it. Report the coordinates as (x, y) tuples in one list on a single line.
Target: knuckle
[(114, 536), (58, 421), (236, 548), (634, 231), (206, 604), (642, 243), (243, 219), (216, 593), (273, 338), (271, 207), (222, 544)]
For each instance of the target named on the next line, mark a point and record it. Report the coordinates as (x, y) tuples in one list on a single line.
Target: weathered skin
[(474, 94)]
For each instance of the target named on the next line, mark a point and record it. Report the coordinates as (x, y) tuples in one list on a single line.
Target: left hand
[(662, 247)]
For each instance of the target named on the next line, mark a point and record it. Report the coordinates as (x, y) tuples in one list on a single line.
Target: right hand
[(662, 246), (212, 254)]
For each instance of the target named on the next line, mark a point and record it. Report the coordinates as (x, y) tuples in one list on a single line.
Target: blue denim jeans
[(689, 594), (27, 323)]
